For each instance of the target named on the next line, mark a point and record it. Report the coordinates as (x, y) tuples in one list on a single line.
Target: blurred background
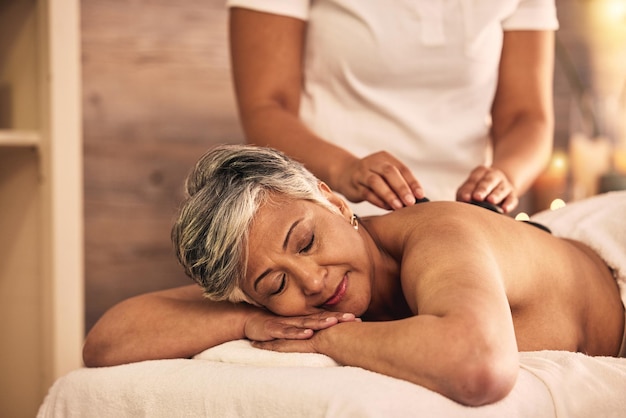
[(157, 93), (105, 105)]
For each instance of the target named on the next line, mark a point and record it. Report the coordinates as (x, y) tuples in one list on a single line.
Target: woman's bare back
[(562, 295), (571, 302)]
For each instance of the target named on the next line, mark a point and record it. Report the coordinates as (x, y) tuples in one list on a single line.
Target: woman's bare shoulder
[(430, 216), (432, 224), (439, 226)]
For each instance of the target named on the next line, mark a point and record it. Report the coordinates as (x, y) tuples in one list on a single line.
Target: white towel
[(580, 385), (600, 223), (242, 352), (550, 384)]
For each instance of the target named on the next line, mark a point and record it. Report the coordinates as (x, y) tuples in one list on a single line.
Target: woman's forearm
[(175, 323), (442, 354)]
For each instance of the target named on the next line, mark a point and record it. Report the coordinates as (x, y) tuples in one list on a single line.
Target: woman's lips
[(339, 293)]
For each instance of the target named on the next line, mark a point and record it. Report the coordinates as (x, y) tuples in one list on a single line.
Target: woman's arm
[(174, 323), (522, 121), (267, 61), (180, 323)]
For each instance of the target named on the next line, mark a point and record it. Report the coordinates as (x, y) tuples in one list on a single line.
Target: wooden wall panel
[(156, 94)]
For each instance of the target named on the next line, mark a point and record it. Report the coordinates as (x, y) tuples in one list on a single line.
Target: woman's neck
[(387, 301)]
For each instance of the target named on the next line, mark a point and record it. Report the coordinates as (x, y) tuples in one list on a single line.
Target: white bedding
[(237, 380)]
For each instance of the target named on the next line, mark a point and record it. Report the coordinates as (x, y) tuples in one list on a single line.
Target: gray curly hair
[(223, 193)]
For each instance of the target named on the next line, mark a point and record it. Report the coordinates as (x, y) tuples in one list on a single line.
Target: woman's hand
[(489, 184), (380, 179), (265, 326), (288, 346), (303, 344)]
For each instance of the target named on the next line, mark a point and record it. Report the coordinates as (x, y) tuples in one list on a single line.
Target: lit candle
[(522, 216), (557, 204), (552, 183)]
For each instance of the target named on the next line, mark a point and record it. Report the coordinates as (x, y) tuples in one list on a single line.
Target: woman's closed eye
[(283, 278), (308, 247), (281, 286)]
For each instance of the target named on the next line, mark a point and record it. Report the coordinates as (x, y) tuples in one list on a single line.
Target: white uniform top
[(415, 78)]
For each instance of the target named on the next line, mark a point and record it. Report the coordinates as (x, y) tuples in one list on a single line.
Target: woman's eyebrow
[(258, 279), (289, 233), (285, 243)]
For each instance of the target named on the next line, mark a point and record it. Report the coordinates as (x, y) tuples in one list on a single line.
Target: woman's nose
[(312, 278)]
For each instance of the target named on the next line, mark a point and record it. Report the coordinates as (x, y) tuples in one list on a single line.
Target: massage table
[(238, 380)]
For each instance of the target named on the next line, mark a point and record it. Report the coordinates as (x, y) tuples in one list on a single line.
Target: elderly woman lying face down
[(447, 292)]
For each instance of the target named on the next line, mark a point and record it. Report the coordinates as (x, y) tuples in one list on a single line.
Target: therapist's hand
[(491, 185), (380, 179)]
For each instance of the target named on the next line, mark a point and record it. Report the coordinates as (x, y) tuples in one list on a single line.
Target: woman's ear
[(334, 199), (324, 188)]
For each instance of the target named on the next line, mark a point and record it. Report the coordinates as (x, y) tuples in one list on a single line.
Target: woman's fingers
[(294, 334), (286, 346), (268, 326), (315, 322)]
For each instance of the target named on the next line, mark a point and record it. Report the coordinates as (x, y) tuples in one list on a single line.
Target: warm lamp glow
[(614, 10), (556, 172), (552, 183), (619, 160), (559, 162)]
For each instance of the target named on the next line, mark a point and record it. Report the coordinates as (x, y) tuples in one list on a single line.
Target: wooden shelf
[(27, 139), (41, 255)]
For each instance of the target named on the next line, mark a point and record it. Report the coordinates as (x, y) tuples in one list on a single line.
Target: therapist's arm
[(267, 64), (522, 121)]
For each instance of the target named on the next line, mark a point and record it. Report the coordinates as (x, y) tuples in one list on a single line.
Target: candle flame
[(557, 204), (522, 216)]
